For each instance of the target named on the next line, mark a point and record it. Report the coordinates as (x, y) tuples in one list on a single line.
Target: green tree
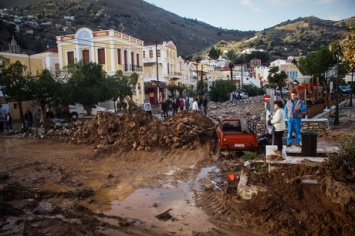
[(220, 90), (231, 55), (43, 89), (348, 48), (316, 64), (87, 84), (120, 86), (277, 77), (14, 82), (214, 53)]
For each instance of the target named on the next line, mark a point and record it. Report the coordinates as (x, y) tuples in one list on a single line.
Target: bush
[(343, 163), (347, 150), (252, 90)]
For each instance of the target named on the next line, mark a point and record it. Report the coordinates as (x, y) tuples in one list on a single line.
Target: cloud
[(250, 4)]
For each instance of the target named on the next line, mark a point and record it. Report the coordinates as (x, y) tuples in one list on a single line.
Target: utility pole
[(156, 61), (201, 84)]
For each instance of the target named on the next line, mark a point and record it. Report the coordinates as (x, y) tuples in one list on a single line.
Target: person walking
[(294, 110), (278, 121), (195, 106), (187, 103)]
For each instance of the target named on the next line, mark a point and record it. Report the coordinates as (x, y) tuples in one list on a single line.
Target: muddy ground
[(51, 186)]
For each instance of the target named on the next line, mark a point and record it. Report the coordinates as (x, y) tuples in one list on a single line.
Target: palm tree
[(277, 77), (231, 55)]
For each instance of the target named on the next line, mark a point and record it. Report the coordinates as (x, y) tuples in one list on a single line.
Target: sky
[(256, 15)]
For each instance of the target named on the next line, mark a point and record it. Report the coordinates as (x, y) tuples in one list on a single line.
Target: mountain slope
[(150, 23)]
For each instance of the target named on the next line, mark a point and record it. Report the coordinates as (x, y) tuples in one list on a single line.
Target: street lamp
[(337, 55)]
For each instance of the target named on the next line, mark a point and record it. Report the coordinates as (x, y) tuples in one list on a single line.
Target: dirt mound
[(293, 200), (185, 130)]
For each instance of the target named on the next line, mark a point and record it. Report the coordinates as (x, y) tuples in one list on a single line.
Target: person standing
[(294, 110), (181, 104), (147, 107), (195, 106), (37, 118), (49, 114), (204, 104), (164, 108), (9, 121), (278, 121), (175, 105), (1, 122), (187, 103), (28, 118)]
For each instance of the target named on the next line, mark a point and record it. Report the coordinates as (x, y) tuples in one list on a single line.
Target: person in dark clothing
[(164, 108), (8, 121), (187, 104), (49, 114), (28, 118), (1, 122), (175, 105), (204, 104)]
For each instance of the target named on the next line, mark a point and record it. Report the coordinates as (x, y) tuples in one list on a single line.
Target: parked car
[(345, 89), (284, 91), (243, 94), (77, 111)]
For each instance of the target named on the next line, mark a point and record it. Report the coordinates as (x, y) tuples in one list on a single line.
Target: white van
[(77, 111)]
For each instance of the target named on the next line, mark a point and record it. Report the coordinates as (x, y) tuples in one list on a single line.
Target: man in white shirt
[(147, 107), (195, 106)]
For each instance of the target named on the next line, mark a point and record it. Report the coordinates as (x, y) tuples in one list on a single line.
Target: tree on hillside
[(87, 84), (231, 55), (316, 64), (14, 82), (277, 77), (214, 53)]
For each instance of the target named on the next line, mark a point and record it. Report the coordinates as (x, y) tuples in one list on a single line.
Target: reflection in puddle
[(145, 204)]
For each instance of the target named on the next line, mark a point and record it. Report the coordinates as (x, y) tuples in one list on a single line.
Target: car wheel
[(74, 116)]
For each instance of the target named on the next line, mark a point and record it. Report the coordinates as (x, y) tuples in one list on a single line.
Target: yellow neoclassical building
[(111, 49)]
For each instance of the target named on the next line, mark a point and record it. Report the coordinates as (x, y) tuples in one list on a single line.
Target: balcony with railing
[(132, 68)]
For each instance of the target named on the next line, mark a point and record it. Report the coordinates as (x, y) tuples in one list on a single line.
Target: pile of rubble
[(184, 130)]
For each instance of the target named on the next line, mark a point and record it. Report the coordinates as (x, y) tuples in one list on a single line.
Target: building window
[(125, 60), (132, 60), (70, 57), (137, 60), (86, 56), (143, 54), (150, 53), (119, 59), (56, 66), (101, 56), (158, 53)]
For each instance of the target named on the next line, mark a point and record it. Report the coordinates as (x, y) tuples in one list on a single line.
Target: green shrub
[(347, 150), (249, 155)]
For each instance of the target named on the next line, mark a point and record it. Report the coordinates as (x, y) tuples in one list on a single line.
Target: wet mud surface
[(52, 187)]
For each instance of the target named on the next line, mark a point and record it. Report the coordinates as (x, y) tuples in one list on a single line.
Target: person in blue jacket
[(294, 110)]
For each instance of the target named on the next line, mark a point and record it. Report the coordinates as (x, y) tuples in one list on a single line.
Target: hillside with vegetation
[(150, 23)]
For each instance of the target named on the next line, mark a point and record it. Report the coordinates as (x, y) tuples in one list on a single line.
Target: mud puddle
[(142, 206)]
